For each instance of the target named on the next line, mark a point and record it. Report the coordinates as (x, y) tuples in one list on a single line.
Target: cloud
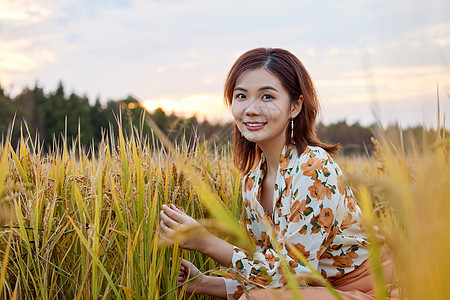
[(22, 10), (174, 49), (15, 56)]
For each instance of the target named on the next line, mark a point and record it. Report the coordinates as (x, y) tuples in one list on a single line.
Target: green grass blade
[(5, 261), (3, 168), (19, 167), (95, 258)]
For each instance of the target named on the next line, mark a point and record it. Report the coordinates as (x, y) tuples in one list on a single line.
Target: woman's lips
[(254, 125)]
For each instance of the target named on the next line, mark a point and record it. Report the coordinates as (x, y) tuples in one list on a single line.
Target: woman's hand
[(187, 272), (198, 283), (176, 225)]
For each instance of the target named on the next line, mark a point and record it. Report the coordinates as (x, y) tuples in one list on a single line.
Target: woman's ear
[(296, 106)]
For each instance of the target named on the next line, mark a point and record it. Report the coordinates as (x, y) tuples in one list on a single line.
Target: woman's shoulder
[(318, 158), (316, 152)]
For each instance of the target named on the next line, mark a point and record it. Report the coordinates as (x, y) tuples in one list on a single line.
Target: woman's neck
[(272, 155)]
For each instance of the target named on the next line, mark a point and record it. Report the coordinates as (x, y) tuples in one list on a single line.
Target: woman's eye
[(267, 97), (239, 96)]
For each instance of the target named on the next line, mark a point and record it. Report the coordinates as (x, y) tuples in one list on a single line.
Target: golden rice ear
[(6, 215), (219, 230)]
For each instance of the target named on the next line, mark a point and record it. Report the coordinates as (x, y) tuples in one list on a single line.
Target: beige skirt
[(355, 285)]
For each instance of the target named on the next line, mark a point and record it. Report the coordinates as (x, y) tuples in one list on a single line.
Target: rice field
[(79, 223)]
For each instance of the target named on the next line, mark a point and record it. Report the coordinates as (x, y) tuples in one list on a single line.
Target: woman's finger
[(185, 263), (173, 214), (162, 235), (181, 281), (176, 209), (168, 221), (166, 229), (164, 239)]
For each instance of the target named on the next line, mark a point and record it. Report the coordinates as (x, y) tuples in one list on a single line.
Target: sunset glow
[(210, 107)]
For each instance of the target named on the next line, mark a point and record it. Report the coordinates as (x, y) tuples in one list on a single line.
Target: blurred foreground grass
[(83, 224)]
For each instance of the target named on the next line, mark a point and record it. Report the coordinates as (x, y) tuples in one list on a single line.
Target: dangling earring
[(292, 128)]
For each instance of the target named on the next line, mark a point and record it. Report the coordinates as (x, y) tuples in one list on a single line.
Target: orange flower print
[(280, 271), (326, 218), (328, 192), (262, 279), (331, 237), (302, 250), (270, 258), (284, 160), (265, 240), (347, 222), (282, 279), (326, 255), (303, 230), (255, 238), (293, 264), (277, 227), (248, 185), (239, 292), (351, 203), (342, 261), (309, 168), (296, 211), (288, 182), (239, 265), (345, 261), (319, 191), (341, 184)]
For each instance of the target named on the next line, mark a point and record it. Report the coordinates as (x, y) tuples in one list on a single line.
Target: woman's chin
[(251, 137)]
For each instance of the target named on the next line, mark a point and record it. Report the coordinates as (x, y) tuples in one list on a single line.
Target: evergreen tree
[(6, 111)]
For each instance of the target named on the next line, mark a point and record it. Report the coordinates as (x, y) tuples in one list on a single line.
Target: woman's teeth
[(254, 124)]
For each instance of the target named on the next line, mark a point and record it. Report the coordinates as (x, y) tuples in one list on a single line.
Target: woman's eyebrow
[(268, 87), (238, 88)]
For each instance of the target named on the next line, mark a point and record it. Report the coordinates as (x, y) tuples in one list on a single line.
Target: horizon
[(171, 108)]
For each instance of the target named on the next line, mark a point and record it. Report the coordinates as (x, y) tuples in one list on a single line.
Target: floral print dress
[(313, 211)]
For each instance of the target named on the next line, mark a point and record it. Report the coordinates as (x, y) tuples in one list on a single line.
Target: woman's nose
[(252, 107)]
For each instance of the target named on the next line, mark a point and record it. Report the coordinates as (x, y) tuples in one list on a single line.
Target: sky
[(370, 59)]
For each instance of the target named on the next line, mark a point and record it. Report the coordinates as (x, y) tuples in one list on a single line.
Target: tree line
[(49, 115)]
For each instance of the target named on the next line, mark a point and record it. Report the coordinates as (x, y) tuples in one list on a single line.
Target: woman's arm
[(203, 241)]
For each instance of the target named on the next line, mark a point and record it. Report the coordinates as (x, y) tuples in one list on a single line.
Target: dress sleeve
[(234, 289), (312, 222)]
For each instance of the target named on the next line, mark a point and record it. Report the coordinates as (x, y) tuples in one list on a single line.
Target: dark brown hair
[(296, 80)]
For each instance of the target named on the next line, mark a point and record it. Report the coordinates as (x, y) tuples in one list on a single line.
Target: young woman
[(292, 181)]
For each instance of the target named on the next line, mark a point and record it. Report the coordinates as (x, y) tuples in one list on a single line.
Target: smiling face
[(262, 109)]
